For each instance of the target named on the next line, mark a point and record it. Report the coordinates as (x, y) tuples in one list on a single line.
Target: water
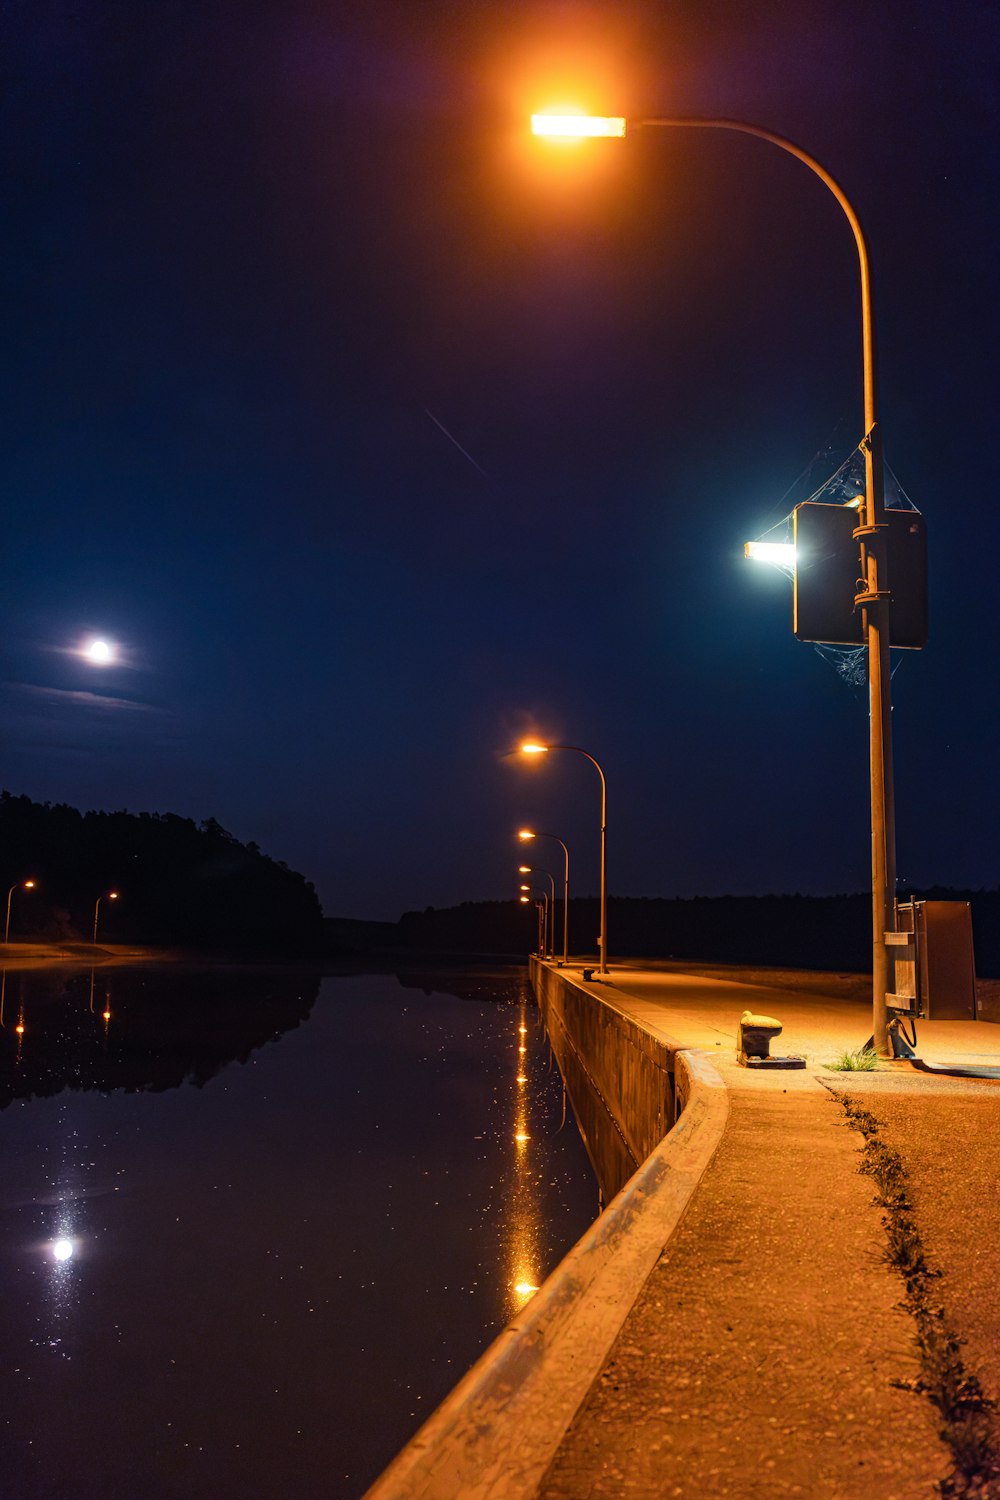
[(295, 1211)]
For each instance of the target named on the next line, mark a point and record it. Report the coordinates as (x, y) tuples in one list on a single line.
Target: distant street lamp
[(26, 885), (112, 896), (531, 747), (526, 835), (527, 891), (873, 592), (534, 870), (541, 928), (527, 901)]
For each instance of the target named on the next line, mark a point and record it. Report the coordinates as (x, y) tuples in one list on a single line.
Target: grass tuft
[(864, 1060)]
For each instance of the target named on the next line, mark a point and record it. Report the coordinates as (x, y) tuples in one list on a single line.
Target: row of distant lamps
[(527, 894), (31, 885)]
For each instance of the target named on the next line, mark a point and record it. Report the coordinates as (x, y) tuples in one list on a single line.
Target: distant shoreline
[(83, 955)]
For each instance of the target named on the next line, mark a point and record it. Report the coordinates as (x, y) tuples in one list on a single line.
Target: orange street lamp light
[(532, 747), (26, 885), (577, 127), (526, 835), (112, 896), (873, 595)]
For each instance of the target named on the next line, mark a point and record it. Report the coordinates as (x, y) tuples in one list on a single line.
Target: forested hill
[(179, 883)]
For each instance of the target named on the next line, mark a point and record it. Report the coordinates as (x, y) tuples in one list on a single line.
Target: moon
[(100, 653)]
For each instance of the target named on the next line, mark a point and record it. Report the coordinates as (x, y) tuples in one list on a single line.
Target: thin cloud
[(84, 699)]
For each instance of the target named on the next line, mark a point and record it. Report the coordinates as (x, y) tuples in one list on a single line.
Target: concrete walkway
[(768, 1353)]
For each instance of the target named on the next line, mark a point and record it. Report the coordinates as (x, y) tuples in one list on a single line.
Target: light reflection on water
[(297, 1212)]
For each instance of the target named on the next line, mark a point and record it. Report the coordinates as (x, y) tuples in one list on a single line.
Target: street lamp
[(526, 835), (534, 870), (112, 896), (529, 890), (26, 885), (527, 901), (531, 747), (873, 596)]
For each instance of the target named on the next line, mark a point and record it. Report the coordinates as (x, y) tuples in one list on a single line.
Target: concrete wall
[(620, 1079)]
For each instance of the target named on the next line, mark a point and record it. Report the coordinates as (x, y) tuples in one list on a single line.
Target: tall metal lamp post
[(534, 870), (26, 885), (873, 597), (526, 835), (531, 747), (112, 896)]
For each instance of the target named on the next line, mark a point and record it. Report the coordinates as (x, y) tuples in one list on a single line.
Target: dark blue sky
[(259, 255)]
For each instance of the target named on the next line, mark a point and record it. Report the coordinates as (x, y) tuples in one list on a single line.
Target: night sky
[(375, 434)]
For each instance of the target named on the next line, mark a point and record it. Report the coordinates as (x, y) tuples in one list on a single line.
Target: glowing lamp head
[(524, 887), (112, 895), (524, 869), (781, 554), (524, 834), (523, 900), (62, 1250), (29, 885), (530, 747), (577, 126)]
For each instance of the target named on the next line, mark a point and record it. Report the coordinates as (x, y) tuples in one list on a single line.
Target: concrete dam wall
[(620, 1077)]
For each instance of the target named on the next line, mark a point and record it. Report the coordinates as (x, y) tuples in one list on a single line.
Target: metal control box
[(934, 960)]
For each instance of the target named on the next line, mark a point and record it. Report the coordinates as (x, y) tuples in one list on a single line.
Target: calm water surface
[(297, 1210)]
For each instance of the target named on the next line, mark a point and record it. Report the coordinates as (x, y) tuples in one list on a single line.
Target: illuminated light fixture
[(524, 834), (524, 869), (29, 885), (531, 748), (524, 887), (525, 1289), (577, 127), (523, 900), (782, 553), (522, 1049), (521, 1137), (19, 1028), (522, 1029), (856, 503), (62, 1249), (100, 653), (522, 1077), (105, 1015)]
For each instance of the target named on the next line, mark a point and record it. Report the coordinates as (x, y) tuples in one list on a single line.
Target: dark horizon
[(373, 439)]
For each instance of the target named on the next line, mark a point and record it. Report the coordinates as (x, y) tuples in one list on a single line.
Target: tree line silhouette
[(181, 884), (811, 932)]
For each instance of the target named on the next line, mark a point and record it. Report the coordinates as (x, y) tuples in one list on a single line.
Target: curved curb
[(496, 1433)]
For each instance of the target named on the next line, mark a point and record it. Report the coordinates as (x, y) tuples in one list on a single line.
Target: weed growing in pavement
[(864, 1060), (966, 1412)]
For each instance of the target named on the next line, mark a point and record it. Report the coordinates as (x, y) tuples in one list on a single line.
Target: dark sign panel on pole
[(828, 576)]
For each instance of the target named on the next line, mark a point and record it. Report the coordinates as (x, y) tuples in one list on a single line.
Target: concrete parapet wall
[(620, 1078)]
